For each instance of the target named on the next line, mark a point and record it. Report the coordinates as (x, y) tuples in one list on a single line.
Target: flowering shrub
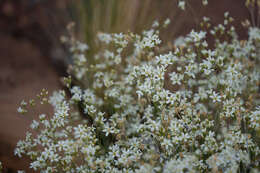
[(142, 106)]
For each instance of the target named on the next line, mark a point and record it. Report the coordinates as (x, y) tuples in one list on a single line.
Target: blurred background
[(32, 56)]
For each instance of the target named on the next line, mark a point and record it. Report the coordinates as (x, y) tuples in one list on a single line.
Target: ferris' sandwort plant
[(142, 106)]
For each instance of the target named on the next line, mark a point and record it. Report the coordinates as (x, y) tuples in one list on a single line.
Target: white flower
[(179, 41), (155, 24), (255, 119), (57, 98), (167, 22), (139, 93), (106, 38), (20, 110), (80, 59), (82, 132), (181, 4), (82, 47), (20, 171), (176, 78), (196, 36), (79, 46), (215, 97), (205, 2), (34, 124), (77, 93), (23, 103), (188, 164), (108, 129)]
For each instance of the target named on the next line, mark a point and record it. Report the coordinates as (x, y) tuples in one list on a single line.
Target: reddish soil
[(24, 72), (28, 51)]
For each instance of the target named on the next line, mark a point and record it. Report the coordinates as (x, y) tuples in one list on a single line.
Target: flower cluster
[(140, 106)]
